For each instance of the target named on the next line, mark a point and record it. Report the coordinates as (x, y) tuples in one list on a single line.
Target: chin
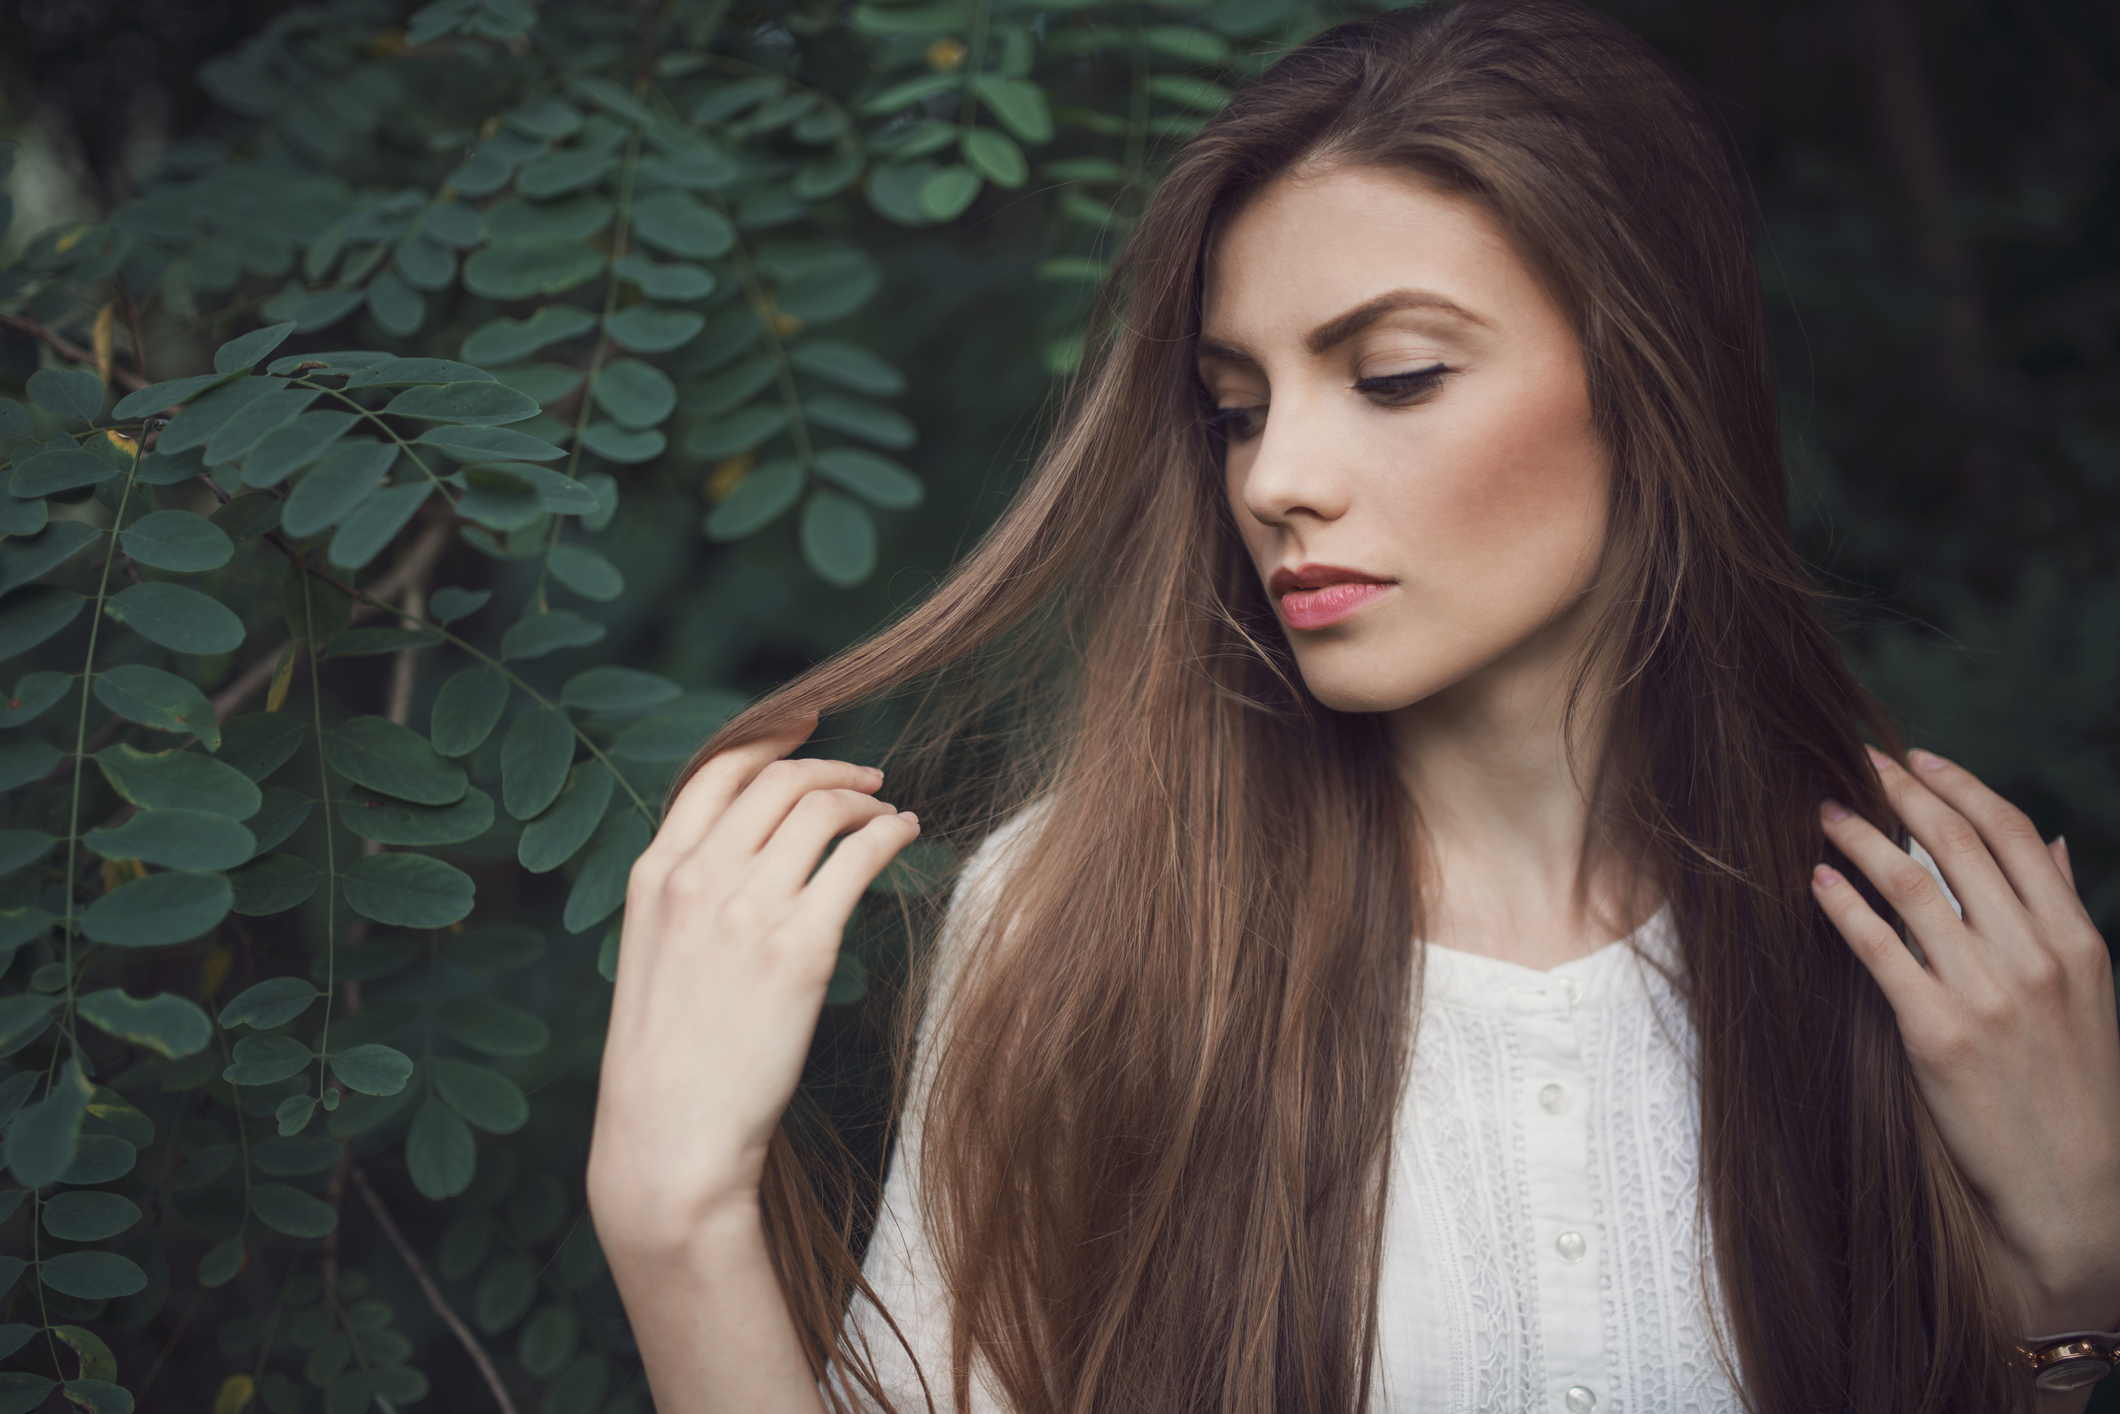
[(1348, 679)]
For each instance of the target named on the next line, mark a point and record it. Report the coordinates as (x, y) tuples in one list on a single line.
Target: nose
[(1294, 469)]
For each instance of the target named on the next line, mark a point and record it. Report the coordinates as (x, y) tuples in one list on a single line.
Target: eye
[(1238, 424), (1399, 389)]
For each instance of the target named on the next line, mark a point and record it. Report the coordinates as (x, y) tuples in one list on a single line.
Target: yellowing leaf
[(235, 1395), (119, 440), (104, 339), (121, 871), (945, 55), (215, 970), (726, 473), (282, 678)]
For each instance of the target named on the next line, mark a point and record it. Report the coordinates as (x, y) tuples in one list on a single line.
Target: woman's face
[(1410, 450)]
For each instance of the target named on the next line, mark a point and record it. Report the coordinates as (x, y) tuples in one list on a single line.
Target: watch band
[(2071, 1359)]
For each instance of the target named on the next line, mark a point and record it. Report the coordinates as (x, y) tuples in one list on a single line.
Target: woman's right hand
[(731, 936)]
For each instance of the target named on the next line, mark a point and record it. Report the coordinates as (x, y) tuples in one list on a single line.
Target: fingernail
[(1926, 760), (1834, 811), (1824, 877), (875, 771), (1878, 758), (909, 817)]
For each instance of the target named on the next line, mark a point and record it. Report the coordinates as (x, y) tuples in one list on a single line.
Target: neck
[(1499, 783)]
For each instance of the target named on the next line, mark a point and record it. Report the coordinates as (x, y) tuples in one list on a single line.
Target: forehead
[(1313, 243)]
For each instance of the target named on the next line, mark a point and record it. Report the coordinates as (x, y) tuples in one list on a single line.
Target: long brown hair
[(1157, 1137)]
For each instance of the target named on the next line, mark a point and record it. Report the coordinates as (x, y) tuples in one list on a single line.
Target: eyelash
[(1392, 389)]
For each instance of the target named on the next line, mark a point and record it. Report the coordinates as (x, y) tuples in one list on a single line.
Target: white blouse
[(1542, 1250)]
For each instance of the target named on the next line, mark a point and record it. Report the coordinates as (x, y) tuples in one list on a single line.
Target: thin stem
[(66, 347), (783, 370), (974, 65), (331, 865), (388, 431)]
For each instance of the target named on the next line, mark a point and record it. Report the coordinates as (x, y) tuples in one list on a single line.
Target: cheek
[(1511, 491)]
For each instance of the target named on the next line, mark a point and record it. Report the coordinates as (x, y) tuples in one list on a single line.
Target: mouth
[(1312, 596)]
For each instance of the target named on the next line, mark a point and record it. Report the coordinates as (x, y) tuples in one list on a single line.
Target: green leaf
[(67, 392), (316, 612), (387, 821), (22, 517), (22, 925), (586, 572), (21, 1392), (540, 634), (548, 118), (905, 95), (453, 223), (678, 730), (195, 426), (99, 1396), (15, 420), (838, 539), (383, 756), (615, 444), (996, 157), (484, 444), (876, 479), (858, 418), (285, 450), (87, 1216), (177, 540), (54, 471), (535, 756), (497, 948), (280, 816), (22, 560), (101, 1158), (158, 910), (405, 372), (645, 328), (467, 709), (249, 516), (548, 1340), (1018, 104), (738, 432), (221, 1264), (286, 1209), (343, 479), (21, 847), (177, 618), (259, 743), (24, 1014), (541, 383), (158, 699), (523, 267), (482, 1095), (245, 353), (270, 1003), (439, 1151), (293, 1116), (396, 306), (12, 1338), (92, 1276), (758, 499), (170, 1025), (43, 1138), (248, 425), (730, 389), (273, 883), (493, 1027), (681, 225), (159, 397), (176, 839), (23, 760), (567, 169), (179, 780), (679, 280), (449, 605), (636, 394), (1188, 92), (552, 838), (505, 1291), (424, 263), (408, 890), (372, 1069), (371, 525), (29, 616), (848, 365), (512, 340), (33, 696), (267, 1060), (826, 287), (601, 886), (467, 403), (616, 690)]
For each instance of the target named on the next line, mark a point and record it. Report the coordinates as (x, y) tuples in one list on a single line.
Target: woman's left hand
[(2010, 1026)]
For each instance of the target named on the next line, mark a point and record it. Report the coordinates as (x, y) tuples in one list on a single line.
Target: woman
[(1442, 954)]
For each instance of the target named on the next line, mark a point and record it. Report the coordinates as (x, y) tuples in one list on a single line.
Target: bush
[(327, 757)]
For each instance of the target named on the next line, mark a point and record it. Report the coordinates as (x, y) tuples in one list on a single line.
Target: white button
[(1553, 1099), (1579, 1400), (1573, 991), (1571, 1247)]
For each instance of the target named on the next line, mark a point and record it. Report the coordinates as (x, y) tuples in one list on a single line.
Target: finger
[(2013, 841), (829, 898), (2059, 849), (1908, 887), (707, 795), (1953, 841), (1905, 982), (759, 810), (791, 855)]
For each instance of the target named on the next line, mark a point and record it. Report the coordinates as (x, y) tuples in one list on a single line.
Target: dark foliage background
[(1939, 204)]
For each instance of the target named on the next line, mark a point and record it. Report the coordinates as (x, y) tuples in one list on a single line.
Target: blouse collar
[(1616, 974)]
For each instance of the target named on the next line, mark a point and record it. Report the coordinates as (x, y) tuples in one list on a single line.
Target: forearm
[(712, 1323)]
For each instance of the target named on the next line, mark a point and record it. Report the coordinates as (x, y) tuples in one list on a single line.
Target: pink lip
[(1315, 608)]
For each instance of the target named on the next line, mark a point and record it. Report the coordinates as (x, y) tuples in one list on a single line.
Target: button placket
[(1556, 1130)]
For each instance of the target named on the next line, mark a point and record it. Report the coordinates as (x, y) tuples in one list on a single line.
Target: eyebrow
[(1342, 327)]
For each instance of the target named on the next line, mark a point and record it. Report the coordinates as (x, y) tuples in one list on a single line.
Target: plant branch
[(433, 1293), (67, 348)]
